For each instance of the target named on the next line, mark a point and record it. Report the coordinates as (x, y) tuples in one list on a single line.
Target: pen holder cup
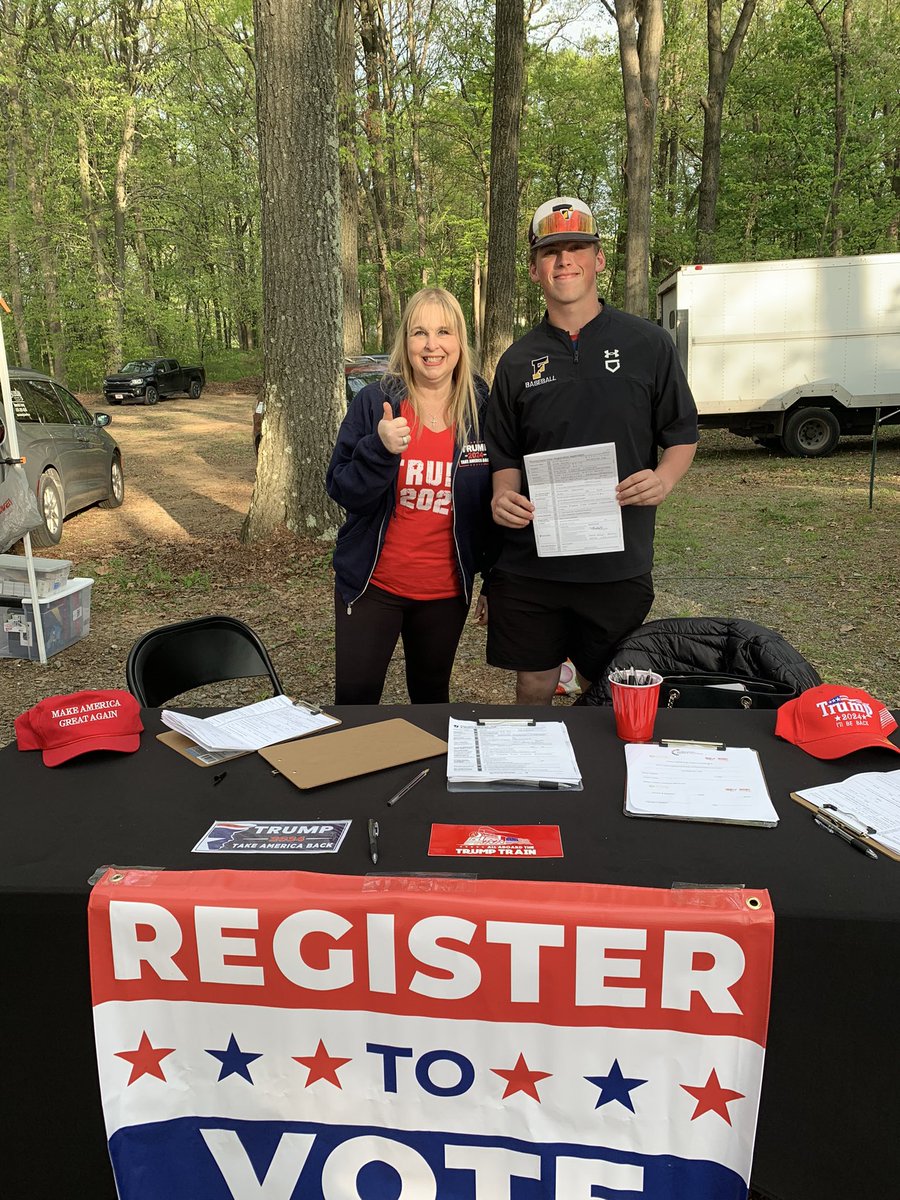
[(634, 706)]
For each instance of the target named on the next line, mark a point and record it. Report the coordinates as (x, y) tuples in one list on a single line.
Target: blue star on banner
[(615, 1086), (234, 1061)]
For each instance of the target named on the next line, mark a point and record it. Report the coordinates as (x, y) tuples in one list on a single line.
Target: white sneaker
[(568, 680)]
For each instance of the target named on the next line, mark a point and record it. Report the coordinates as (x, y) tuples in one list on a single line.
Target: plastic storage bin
[(65, 616), (51, 575)]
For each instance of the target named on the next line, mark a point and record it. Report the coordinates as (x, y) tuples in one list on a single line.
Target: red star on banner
[(712, 1097), (322, 1066), (146, 1060), (521, 1079)]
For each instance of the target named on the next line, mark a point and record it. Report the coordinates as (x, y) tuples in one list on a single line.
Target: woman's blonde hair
[(463, 407)]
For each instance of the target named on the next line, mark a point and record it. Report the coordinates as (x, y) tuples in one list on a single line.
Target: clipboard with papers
[(510, 755), (864, 807), (697, 781), (208, 741)]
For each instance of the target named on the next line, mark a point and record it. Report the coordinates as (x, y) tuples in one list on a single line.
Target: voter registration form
[(574, 497), (510, 755)]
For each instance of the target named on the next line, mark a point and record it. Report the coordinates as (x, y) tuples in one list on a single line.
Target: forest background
[(130, 219)]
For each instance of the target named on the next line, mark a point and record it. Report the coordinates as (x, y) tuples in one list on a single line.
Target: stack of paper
[(868, 803), (574, 497), (510, 755), (251, 727), (697, 783)]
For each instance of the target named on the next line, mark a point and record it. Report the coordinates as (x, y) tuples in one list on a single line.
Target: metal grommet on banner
[(754, 902)]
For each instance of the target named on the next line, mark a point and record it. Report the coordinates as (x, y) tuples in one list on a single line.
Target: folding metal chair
[(177, 658)]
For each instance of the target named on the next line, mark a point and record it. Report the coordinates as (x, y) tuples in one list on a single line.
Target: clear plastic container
[(65, 617), (51, 575)]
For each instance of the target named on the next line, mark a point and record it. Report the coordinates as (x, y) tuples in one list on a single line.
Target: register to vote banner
[(294, 1036)]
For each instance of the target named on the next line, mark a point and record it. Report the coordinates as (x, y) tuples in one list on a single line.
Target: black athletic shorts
[(536, 624)]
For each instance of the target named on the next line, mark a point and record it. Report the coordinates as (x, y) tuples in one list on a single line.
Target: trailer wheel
[(811, 433)]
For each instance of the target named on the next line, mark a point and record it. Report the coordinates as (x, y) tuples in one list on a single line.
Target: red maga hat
[(830, 720), (65, 726)]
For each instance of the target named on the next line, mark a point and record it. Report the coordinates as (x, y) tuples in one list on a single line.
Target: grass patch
[(791, 544)]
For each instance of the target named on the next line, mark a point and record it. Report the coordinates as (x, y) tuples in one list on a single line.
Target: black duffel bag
[(723, 691)]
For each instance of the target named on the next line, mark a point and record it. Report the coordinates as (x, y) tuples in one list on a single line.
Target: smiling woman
[(410, 470)]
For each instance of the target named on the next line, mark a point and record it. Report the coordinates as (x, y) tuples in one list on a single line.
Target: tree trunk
[(509, 74), (477, 328), (56, 338), (346, 62), (892, 170), (417, 55), (374, 126), (303, 385), (105, 291), (721, 60), (640, 43), (839, 48), (120, 204), (12, 239), (146, 265)]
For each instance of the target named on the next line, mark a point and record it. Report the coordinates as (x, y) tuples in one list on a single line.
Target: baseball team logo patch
[(539, 366)]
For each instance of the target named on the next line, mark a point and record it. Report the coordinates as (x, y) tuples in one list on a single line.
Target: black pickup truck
[(146, 380)]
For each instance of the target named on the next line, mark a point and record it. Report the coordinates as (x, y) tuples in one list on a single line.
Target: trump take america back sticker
[(295, 1036)]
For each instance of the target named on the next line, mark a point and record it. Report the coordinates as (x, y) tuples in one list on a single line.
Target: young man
[(587, 374)]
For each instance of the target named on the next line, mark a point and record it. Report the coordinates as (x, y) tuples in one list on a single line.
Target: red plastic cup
[(635, 708)]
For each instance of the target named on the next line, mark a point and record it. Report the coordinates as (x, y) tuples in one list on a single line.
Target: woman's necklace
[(436, 420)]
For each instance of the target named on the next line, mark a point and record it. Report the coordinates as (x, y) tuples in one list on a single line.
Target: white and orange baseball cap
[(563, 219)]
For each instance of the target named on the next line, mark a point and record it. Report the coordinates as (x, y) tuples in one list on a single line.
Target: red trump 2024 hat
[(829, 721), (65, 726)]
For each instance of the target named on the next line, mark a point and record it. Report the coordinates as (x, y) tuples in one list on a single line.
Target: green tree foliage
[(130, 215)]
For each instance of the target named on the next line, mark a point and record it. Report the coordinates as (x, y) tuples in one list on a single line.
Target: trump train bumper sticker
[(294, 1036)]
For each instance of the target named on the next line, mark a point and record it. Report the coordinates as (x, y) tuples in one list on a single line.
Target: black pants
[(364, 642)]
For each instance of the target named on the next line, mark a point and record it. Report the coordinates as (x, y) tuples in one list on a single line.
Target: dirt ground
[(788, 543), (172, 551)]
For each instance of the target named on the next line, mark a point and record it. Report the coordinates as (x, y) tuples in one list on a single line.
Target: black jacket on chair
[(708, 646)]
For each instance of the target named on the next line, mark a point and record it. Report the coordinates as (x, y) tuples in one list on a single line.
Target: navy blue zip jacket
[(362, 478)]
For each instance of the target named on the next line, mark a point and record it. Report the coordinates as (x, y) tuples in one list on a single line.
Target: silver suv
[(71, 461)]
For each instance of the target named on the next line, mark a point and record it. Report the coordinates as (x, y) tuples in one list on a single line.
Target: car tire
[(811, 433), (195, 389), (116, 485), (52, 509), (151, 395)]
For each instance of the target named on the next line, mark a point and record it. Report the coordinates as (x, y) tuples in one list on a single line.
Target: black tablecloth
[(830, 1106)]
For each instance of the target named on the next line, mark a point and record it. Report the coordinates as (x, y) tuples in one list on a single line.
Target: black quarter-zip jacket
[(620, 382)]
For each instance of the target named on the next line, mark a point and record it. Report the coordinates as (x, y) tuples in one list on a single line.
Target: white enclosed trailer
[(792, 353)]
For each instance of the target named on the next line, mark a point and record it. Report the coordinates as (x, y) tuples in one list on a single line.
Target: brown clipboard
[(348, 753), (834, 816), (196, 754)]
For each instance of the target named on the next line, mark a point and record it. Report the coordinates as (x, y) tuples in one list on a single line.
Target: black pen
[(545, 785), (845, 835), (373, 840), (405, 789)]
